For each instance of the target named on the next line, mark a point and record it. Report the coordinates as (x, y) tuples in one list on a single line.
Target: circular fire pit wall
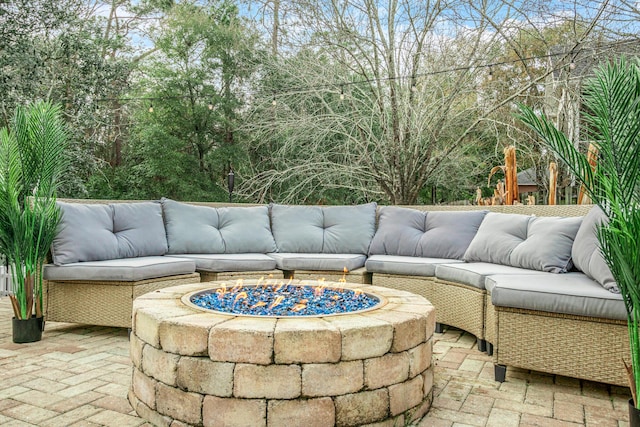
[(211, 369)]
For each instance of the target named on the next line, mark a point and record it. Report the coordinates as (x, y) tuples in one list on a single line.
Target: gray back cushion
[(85, 233), (497, 237), (586, 251), (399, 231), (297, 229), (205, 230), (315, 229), (191, 229), (448, 234), (246, 230), (535, 243), (548, 244), (102, 232), (409, 232), (349, 229), (139, 229)]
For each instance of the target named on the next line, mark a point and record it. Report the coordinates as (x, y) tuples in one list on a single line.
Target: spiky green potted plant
[(611, 101), (32, 161)]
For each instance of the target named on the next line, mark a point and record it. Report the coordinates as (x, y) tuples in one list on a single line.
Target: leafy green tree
[(195, 85), (58, 51)]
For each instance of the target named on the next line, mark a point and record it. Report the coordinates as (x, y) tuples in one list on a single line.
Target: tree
[(195, 83), (404, 115)]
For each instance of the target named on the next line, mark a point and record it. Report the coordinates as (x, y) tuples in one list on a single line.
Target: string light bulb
[(342, 93), (210, 106), (490, 77), (572, 65), (151, 108)]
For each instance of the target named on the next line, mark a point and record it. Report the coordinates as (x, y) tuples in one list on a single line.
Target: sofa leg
[(439, 328), (489, 349), (482, 345), (500, 372)]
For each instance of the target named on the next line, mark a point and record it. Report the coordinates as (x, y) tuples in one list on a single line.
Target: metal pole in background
[(230, 179)]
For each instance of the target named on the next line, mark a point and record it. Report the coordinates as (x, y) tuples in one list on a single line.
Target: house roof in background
[(527, 177)]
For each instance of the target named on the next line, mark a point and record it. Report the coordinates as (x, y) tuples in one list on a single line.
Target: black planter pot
[(634, 415), (27, 330)]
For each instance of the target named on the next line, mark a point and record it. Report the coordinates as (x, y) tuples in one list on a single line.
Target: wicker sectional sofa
[(527, 281)]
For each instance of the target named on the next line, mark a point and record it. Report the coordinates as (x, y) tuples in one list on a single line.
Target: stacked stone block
[(207, 369)]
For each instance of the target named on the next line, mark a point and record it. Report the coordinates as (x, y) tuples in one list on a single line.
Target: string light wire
[(571, 56)]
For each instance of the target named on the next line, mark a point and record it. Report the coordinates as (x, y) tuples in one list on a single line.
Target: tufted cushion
[(205, 230), (497, 237), (329, 230), (399, 231), (586, 251), (409, 232), (85, 233), (548, 244), (139, 229), (297, 228), (448, 234), (101, 232), (191, 229), (522, 241), (246, 230)]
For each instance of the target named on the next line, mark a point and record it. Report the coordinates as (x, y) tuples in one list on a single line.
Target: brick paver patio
[(79, 376)]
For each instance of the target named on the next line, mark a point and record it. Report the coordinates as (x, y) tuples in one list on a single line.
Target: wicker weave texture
[(459, 306), (359, 276), (101, 303), (538, 210), (422, 286), (209, 276), (573, 346), (490, 319)]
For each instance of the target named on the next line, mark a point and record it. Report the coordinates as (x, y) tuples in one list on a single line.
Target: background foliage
[(405, 101)]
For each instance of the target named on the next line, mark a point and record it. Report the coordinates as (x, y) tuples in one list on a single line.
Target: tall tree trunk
[(276, 28)]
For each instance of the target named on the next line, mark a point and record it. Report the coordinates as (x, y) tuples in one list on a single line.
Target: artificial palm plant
[(611, 113), (32, 161)]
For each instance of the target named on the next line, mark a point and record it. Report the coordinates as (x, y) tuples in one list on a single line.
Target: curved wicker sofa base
[(447, 297), (573, 346), (460, 306), (422, 286), (101, 303)]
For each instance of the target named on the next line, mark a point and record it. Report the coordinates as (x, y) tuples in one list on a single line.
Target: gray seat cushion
[(474, 273), (330, 262), (571, 293), (323, 229), (586, 251), (536, 243), (405, 265), (409, 232), (231, 262), (96, 232), (126, 270), (195, 229)]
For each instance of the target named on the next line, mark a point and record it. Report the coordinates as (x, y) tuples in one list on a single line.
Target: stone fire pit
[(193, 367)]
